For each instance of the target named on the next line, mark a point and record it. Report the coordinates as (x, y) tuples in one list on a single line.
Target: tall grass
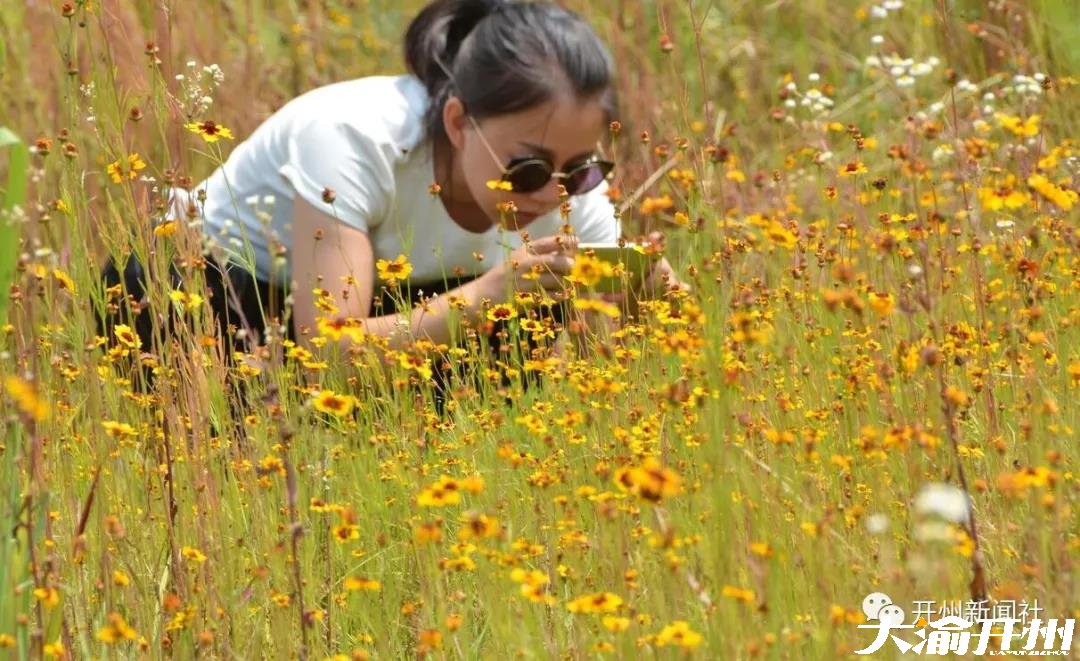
[(884, 297)]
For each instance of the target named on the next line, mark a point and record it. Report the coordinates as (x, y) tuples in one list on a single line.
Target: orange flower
[(851, 169), (502, 312)]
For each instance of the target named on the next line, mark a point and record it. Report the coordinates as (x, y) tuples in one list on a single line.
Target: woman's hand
[(539, 265), (663, 277)]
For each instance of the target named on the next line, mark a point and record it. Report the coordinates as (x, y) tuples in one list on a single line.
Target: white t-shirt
[(364, 140)]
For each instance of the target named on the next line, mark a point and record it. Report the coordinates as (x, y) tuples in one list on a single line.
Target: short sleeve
[(327, 155), (593, 216)]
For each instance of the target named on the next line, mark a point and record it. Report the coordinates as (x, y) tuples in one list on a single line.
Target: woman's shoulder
[(384, 108)]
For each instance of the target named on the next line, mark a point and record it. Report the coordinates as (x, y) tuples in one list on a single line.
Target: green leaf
[(14, 194)]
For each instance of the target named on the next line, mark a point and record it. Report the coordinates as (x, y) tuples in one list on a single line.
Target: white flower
[(1004, 224), (814, 77), (877, 39), (879, 12), (921, 69), (874, 60), (905, 81), (790, 103), (893, 5), (942, 152), (896, 71), (966, 85), (933, 531), (944, 500), (877, 524)]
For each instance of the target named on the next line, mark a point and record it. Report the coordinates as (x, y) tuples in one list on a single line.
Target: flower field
[(870, 386)]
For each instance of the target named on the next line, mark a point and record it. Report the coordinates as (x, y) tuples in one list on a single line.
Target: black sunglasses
[(531, 173)]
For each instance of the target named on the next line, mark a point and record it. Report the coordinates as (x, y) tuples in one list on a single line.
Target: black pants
[(249, 306), (240, 309)]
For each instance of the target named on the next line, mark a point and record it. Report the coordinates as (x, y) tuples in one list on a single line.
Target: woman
[(504, 103)]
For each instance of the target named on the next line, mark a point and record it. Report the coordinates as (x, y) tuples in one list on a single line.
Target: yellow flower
[(416, 363), (761, 549), (50, 597), (120, 579), (600, 602), (327, 401), (395, 270), (1064, 198), (26, 398), (502, 312), (186, 300), (64, 281), (589, 270), (1074, 372), (118, 429), (127, 336), (116, 630), (883, 304), (955, 396), (345, 532), (352, 583), (337, 327), (738, 594), (168, 228), (193, 555), (780, 235), (680, 634), (447, 491), (499, 184), (54, 650), (650, 480), (118, 170), (851, 169), (209, 131), (1021, 127), (616, 623), (652, 205)]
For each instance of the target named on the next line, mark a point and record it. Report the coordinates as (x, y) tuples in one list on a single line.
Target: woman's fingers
[(554, 263), (553, 244)]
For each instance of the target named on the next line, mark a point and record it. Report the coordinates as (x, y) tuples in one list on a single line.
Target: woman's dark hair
[(505, 56)]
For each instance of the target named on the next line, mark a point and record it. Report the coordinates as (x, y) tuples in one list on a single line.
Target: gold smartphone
[(625, 267)]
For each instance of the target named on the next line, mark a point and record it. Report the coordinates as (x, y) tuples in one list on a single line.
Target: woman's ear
[(454, 121)]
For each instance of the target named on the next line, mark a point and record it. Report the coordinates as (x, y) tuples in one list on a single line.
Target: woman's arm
[(343, 256)]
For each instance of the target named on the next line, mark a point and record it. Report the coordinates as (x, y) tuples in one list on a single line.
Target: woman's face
[(564, 131)]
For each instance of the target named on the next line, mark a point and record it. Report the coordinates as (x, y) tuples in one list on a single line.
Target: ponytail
[(434, 38), (502, 56)]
